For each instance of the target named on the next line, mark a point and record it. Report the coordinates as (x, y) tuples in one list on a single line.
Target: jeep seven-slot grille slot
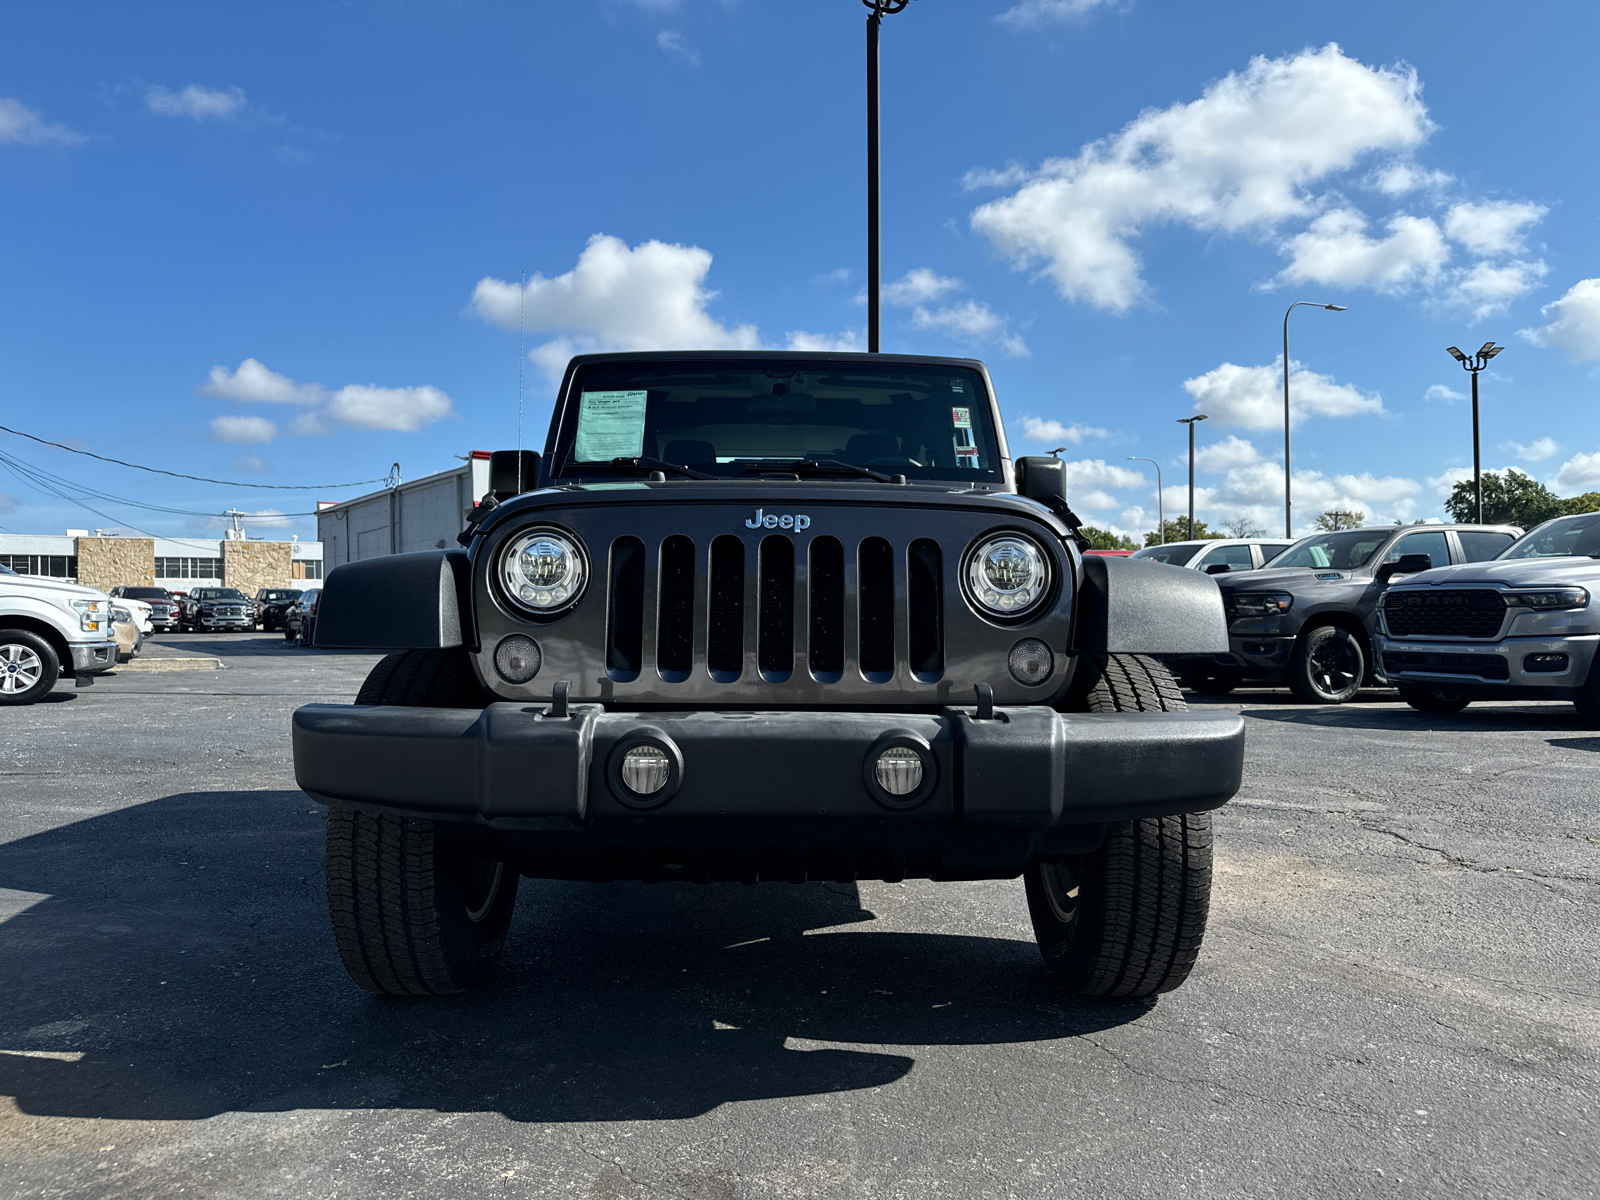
[(816, 635), (1463, 612)]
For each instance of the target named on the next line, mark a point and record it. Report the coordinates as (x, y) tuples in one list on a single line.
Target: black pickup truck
[(769, 616)]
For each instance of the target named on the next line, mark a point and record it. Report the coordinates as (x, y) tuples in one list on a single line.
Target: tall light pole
[(1288, 507), (1161, 519), (880, 9), (1474, 364), (1190, 422)]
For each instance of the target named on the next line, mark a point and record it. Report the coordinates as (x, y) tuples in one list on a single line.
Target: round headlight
[(543, 571), (1007, 575)]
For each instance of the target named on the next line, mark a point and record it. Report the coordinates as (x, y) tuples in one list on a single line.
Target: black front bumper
[(1028, 783)]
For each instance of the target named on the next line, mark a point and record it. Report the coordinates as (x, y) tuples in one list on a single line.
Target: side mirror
[(1042, 478), (1409, 564), (1218, 569), (512, 472)]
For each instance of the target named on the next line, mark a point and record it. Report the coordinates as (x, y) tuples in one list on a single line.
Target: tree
[(1586, 503), (1177, 530), (1509, 499), (1104, 539), (1244, 527), (1336, 519)]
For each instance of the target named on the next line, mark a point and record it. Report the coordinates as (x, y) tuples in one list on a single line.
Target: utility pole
[(1190, 422), (1475, 363), (1288, 514), (880, 9), (1161, 520)]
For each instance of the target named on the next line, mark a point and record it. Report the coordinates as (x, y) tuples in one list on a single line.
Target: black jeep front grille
[(826, 648), (1459, 612), (725, 608)]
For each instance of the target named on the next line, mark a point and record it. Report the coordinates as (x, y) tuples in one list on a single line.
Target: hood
[(59, 589), (1266, 579), (1513, 572)]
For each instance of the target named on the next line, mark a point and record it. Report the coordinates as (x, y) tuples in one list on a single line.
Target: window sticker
[(610, 425), (957, 385), (961, 418)]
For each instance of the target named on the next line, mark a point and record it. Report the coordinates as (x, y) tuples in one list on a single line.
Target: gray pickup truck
[(769, 616), (1309, 619)]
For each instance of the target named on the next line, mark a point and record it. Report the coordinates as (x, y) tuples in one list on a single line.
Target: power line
[(277, 487)]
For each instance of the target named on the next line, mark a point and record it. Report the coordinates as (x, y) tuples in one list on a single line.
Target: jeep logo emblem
[(763, 520)]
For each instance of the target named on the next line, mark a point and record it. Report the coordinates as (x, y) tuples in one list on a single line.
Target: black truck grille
[(1484, 666), (808, 626), (1462, 612)]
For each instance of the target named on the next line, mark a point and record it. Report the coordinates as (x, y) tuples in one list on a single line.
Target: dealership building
[(103, 561)]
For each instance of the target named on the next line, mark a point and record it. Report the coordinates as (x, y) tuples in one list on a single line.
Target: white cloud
[(673, 45), (1255, 492), (270, 518), (1253, 396), (1031, 14), (1037, 429), (1486, 289), (837, 275), (1398, 178), (1088, 474), (1536, 451), (850, 340), (919, 287), (357, 405), (650, 297), (21, 126), (243, 431), (1237, 159), (8, 503), (1231, 452), (195, 102), (254, 464), (1441, 394), (1576, 324), (1580, 473), (988, 177), (971, 321), (1335, 249), (1494, 227)]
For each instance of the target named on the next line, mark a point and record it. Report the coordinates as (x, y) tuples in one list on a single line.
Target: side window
[(1480, 547), (1237, 558), (1431, 544), (1271, 550)]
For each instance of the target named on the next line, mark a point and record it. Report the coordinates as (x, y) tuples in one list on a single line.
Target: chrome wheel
[(20, 668)]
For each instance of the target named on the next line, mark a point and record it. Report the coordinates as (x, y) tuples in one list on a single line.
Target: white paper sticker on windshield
[(961, 418), (610, 425)]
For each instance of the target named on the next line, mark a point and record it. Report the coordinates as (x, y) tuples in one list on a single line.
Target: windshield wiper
[(811, 466), (652, 464)]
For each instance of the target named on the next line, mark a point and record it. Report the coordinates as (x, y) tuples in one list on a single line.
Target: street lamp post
[(1190, 422), (1161, 519), (880, 9), (1475, 363), (1288, 508)]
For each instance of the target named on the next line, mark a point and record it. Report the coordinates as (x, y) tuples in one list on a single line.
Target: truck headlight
[(543, 571), (1548, 598), (1249, 606), (1007, 575), (91, 614)]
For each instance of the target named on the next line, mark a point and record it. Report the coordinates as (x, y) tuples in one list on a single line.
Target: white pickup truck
[(50, 628)]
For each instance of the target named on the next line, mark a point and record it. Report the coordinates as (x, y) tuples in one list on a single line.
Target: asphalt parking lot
[(1398, 995)]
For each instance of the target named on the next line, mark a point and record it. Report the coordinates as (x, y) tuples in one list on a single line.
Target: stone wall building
[(251, 566), (105, 562), (174, 563)]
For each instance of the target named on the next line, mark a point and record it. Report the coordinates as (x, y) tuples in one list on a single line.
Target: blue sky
[(285, 245)]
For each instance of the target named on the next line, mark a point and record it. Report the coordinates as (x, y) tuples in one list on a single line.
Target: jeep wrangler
[(760, 617)]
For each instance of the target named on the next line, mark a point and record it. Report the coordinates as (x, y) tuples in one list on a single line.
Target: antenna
[(522, 305)]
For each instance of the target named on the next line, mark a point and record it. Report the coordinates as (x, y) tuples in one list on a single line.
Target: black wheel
[(1214, 683), (29, 667), (1327, 665), (288, 635), (412, 914), (1126, 920), (1435, 700)]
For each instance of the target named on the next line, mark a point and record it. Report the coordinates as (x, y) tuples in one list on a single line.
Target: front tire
[(413, 915), (1127, 920), (1327, 666), (1435, 700), (29, 667)]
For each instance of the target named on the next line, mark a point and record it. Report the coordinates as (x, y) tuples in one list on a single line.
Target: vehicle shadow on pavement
[(1554, 718), (178, 965), (225, 645)]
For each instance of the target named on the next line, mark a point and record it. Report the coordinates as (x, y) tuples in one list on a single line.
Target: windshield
[(1561, 538), (1174, 555), (144, 593), (217, 594), (5, 570), (272, 594), (731, 419), (1335, 551)]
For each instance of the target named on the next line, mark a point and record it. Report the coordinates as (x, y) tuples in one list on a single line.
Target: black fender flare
[(420, 601), (1128, 607)]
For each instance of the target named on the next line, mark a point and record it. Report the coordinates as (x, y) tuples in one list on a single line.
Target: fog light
[(517, 659), (1031, 662), (899, 770), (646, 769), (1545, 664)]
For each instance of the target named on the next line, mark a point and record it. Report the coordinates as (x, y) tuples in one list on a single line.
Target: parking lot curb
[(197, 663)]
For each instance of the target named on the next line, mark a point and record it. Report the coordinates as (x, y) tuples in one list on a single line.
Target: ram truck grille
[(1445, 612), (1483, 666)]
